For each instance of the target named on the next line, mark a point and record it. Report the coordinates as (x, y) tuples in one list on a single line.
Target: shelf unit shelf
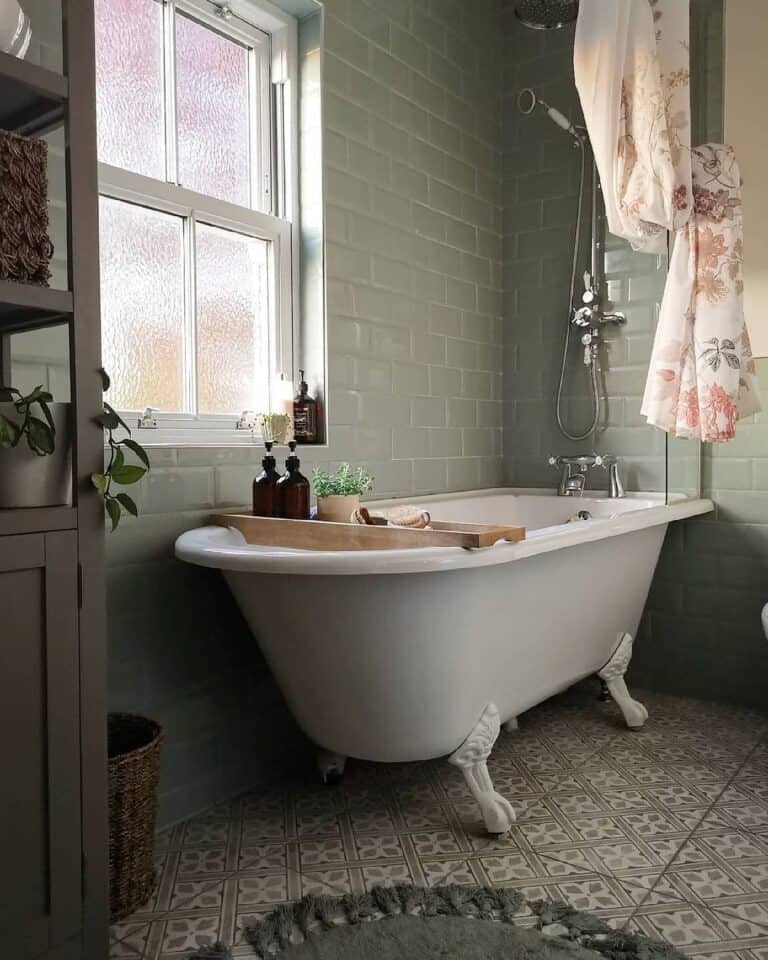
[(34, 99), (25, 305), (37, 520)]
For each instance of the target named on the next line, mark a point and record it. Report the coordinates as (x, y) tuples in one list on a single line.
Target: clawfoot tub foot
[(472, 759), (331, 766), (613, 676)]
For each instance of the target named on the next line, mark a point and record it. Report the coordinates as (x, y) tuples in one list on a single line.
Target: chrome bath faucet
[(574, 470)]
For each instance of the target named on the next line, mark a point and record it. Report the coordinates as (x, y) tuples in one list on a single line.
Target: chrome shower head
[(527, 101), (546, 14)]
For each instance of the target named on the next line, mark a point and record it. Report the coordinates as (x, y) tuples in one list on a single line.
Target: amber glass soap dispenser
[(293, 489), (304, 414), (265, 486)]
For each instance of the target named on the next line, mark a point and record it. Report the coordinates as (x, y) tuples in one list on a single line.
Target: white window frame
[(263, 27)]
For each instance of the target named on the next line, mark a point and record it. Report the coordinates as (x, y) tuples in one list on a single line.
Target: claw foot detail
[(613, 673), (331, 766), (472, 759)]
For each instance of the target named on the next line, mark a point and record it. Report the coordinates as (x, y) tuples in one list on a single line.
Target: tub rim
[(224, 548)]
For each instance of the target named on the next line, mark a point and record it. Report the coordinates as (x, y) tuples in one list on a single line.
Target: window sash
[(194, 208), (258, 45)]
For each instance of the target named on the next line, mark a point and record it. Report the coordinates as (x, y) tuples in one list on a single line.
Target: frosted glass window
[(232, 322), (142, 305), (129, 87), (212, 108)]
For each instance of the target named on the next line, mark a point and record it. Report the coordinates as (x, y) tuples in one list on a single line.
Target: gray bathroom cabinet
[(53, 821)]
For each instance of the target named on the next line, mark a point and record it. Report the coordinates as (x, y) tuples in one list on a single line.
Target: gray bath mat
[(454, 922)]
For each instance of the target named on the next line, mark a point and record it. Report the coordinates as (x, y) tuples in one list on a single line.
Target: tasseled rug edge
[(293, 922)]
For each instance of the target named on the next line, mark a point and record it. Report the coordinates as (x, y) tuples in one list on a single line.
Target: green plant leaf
[(48, 416), (111, 410), (113, 510), (40, 437), (110, 421), (9, 432), (127, 474), (38, 395), (105, 381), (99, 481), (128, 503), (140, 452), (118, 461), (8, 393)]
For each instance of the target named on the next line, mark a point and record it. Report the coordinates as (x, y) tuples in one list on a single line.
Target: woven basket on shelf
[(134, 767), (25, 248)]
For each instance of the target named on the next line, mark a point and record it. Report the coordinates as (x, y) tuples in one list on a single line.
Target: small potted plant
[(35, 450), (338, 494), (276, 427)]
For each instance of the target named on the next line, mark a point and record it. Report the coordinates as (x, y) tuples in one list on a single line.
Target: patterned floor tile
[(183, 934), (389, 847), (197, 895), (261, 857), (386, 875), (255, 890), (128, 939), (332, 883), (683, 926), (196, 862), (663, 831)]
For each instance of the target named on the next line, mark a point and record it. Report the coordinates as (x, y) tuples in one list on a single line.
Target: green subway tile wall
[(541, 177), (412, 145)]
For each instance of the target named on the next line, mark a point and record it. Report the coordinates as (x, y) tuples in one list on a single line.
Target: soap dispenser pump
[(293, 489), (265, 499)]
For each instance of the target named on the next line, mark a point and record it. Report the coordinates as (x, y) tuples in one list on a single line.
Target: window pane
[(212, 110), (142, 305), (129, 87), (232, 322)]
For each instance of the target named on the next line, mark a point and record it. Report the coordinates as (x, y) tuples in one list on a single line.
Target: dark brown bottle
[(304, 414), (265, 487), (293, 489)]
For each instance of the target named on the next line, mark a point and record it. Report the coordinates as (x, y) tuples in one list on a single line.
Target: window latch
[(247, 421), (148, 420), (222, 10)]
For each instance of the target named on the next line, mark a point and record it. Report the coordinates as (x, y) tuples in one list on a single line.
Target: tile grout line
[(688, 839)]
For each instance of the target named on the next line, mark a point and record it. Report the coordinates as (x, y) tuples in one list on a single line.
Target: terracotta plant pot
[(27, 480), (337, 509)]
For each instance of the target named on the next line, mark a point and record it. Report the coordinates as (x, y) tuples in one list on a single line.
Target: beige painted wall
[(746, 97)]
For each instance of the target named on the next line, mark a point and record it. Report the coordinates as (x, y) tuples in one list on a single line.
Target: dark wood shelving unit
[(53, 717), (37, 520), (33, 98)]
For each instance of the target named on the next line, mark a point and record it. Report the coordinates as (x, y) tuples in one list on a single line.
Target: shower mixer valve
[(591, 315)]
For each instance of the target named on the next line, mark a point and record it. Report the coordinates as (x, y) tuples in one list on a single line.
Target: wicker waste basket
[(25, 248), (134, 767)]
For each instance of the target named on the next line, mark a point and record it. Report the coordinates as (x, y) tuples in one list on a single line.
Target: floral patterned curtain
[(631, 62), (702, 375)]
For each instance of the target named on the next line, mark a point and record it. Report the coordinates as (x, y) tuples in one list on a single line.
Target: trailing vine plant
[(117, 470), (40, 433)]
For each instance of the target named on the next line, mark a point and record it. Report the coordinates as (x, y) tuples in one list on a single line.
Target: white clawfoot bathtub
[(400, 655)]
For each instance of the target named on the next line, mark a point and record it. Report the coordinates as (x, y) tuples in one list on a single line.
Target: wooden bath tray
[(323, 535)]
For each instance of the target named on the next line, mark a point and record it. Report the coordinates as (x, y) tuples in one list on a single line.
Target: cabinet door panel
[(40, 899)]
